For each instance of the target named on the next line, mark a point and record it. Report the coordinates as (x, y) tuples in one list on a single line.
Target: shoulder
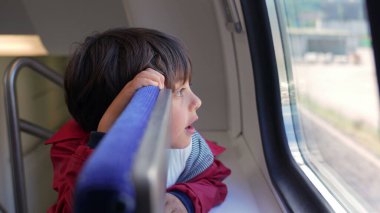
[(215, 148), (70, 131), (212, 145)]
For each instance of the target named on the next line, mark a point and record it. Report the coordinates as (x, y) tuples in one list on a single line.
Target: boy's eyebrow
[(180, 84), (177, 88)]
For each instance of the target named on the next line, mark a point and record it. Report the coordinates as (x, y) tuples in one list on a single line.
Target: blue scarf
[(199, 160)]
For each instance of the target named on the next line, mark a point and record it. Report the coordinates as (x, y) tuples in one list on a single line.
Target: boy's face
[(184, 113)]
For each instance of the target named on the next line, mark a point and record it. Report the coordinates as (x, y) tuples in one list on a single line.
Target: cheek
[(175, 123), (174, 116), (174, 127)]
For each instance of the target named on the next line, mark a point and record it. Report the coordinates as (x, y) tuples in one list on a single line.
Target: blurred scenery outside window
[(333, 90)]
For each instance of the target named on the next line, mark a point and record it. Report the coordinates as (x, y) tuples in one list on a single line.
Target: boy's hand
[(173, 204), (148, 77)]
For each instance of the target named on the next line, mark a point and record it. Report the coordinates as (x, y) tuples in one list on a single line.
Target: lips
[(190, 128)]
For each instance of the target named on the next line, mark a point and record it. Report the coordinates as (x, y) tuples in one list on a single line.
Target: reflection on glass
[(336, 95)]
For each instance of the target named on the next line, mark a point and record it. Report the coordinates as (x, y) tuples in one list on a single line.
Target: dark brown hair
[(105, 62)]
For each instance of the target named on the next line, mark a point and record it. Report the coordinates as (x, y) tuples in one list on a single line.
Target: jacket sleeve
[(207, 189), (68, 159)]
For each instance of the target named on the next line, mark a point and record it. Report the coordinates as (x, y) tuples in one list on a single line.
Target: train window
[(330, 99)]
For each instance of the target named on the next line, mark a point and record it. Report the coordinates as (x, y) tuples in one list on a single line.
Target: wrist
[(95, 138), (185, 200)]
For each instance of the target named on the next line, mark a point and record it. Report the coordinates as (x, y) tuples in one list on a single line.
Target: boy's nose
[(196, 103)]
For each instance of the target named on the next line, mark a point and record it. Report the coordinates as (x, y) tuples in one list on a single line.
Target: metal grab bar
[(15, 124), (35, 130)]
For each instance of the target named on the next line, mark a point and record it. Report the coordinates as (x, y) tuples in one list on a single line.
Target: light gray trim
[(150, 169), (232, 16)]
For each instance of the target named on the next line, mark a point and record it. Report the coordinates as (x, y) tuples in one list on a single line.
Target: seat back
[(127, 171)]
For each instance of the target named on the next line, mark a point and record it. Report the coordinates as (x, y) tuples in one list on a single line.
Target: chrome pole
[(11, 107)]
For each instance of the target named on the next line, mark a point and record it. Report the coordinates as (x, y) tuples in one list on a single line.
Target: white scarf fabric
[(177, 159)]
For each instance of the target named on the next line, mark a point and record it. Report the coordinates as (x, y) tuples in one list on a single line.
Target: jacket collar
[(69, 131)]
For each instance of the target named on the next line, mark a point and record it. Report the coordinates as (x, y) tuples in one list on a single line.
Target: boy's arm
[(207, 189), (148, 77)]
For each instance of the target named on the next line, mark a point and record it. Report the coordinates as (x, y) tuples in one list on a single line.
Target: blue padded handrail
[(106, 183)]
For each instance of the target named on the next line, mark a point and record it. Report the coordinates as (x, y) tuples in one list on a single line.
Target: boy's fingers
[(153, 75), (158, 74), (156, 81), (149, 82), (147, 75), (160, 77), (142, 82)]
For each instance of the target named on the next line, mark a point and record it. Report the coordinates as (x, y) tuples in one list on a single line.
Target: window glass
[(330, 93)]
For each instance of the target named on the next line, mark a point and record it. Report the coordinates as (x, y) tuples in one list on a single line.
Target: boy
[(100, 80)]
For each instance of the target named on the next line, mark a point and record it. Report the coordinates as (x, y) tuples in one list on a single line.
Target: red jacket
[(69, 151)]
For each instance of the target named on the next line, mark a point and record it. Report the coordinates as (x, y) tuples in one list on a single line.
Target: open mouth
[(190, 129)]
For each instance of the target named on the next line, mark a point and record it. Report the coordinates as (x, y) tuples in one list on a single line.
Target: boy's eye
[(179, 92)]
